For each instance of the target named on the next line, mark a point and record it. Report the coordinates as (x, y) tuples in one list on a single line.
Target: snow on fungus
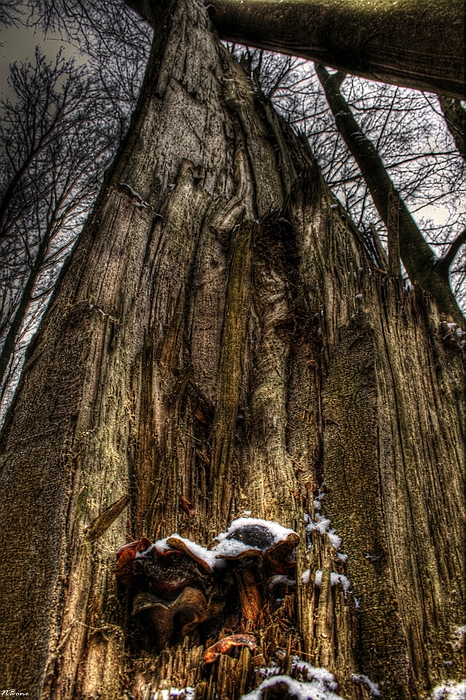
[(232, 549), (247, 529), (203, 557), (315, 690), (161, 545), (253, 537)]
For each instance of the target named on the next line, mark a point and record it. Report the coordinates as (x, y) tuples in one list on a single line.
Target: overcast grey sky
[(18, 44)]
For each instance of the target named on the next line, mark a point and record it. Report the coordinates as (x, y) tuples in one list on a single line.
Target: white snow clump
[(315, 690), (451, 690), (335, 579), (175, 693), (322, 525)]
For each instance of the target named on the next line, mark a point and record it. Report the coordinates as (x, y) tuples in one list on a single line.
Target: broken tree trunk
[(221, 338)]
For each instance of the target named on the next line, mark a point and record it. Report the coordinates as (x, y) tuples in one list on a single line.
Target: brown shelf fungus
[(252, 537), (227, 645), (125, 555), (165, 572), (178, 585), (256, 545), (183, 614)]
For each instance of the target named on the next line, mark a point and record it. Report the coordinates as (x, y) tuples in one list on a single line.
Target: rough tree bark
[(218, 279)]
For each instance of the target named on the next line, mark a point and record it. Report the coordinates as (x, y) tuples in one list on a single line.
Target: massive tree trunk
[(221, 334)]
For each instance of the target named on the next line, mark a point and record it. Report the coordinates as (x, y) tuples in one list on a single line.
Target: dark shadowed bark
[(418, 258), (414, 43), (220, 335), (455, 118)]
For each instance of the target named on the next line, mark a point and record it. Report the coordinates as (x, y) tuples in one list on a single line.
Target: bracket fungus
[(254, 544), (252, 537), (178, 585), (166, 572), (189, 609), (226, 646), (125, 556), (203, 557)]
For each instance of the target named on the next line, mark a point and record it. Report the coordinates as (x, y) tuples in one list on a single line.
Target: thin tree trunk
[(455, 119), (417, 256), (20, 314), (220, 334)]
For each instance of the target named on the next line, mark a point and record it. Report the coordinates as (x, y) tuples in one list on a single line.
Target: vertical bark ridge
[(233, 341), (407, 362)]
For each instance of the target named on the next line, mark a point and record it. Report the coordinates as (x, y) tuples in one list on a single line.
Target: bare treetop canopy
[(412, 43)]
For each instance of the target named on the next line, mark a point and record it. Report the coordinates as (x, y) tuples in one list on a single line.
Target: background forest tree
[(224, 335)]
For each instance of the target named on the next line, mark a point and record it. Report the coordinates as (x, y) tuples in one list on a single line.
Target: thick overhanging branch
[(413, 43), (417, 256)]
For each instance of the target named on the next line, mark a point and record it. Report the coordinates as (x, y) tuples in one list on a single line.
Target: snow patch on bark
[(372, 687), (322, 525), (335, 579)]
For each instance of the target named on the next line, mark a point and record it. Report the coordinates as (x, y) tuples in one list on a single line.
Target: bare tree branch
[(446, 261)]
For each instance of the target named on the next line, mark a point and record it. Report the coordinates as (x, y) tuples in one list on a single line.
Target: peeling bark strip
[(320, 383), (104, 520), (237, 309)]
